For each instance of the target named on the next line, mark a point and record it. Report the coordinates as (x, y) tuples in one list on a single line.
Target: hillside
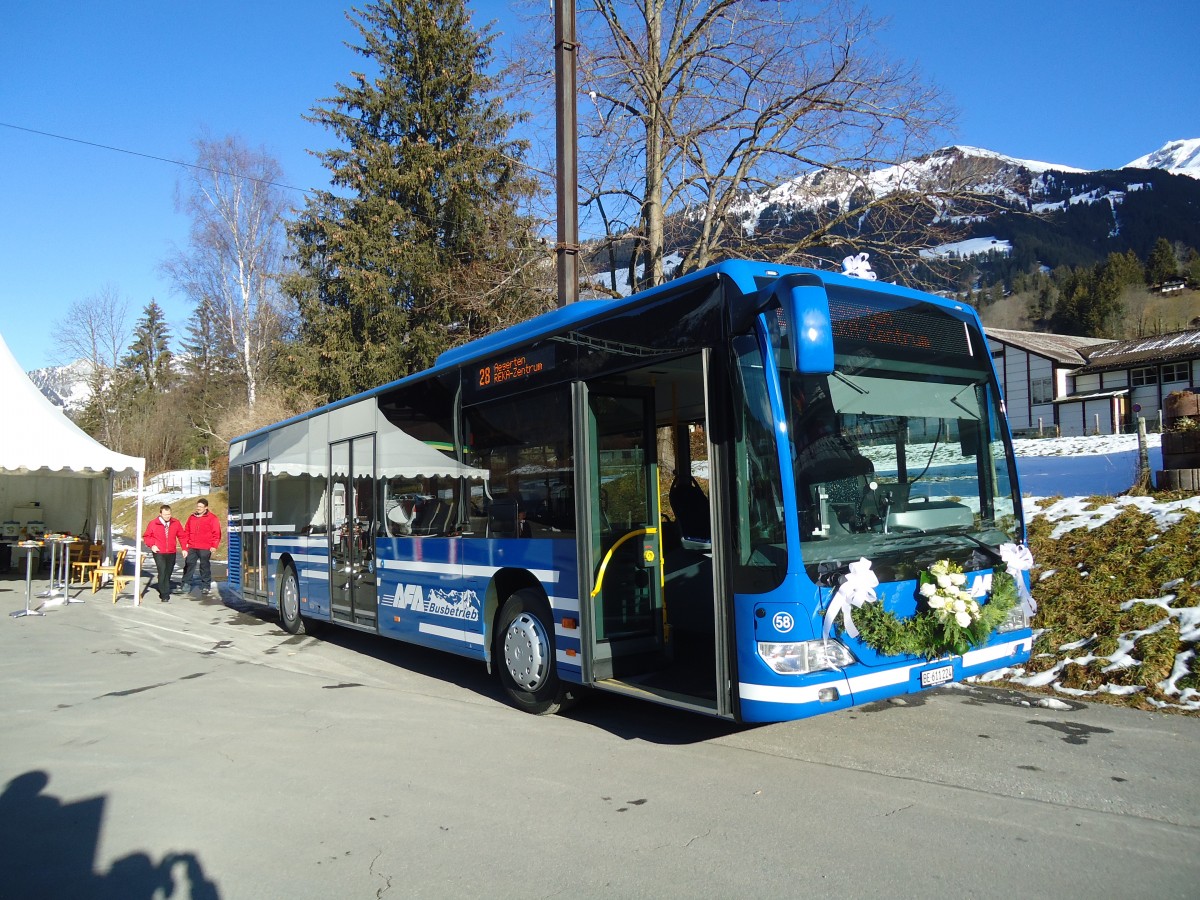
[(1015, 214), (1146, 311)]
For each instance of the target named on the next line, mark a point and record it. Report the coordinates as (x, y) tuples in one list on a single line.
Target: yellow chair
[(120, 582), (114, 570), (89, 557)]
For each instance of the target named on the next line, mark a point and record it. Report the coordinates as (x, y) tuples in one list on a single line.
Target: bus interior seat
[(845, 483), (432, 518), (690, 504), (399, 519), (502, 518)]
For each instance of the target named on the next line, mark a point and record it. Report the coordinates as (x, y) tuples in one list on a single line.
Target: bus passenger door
[(352, 527), (255, 561), (626, 587)]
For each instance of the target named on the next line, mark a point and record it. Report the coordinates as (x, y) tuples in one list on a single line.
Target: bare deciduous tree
[(235, 257), (692, 110), (97, 330)]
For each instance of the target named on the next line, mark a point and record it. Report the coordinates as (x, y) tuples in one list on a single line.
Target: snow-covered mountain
[(1034, 185), (64, 386), (1078, 215), (1177, 157)]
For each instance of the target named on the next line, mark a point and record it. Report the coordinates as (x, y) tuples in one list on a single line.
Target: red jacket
[(164, 538), (202, 532)]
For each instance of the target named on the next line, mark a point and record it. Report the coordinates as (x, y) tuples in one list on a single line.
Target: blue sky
[(1088, 84)]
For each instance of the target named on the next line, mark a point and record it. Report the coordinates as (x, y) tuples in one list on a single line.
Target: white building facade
[(1060, 384)]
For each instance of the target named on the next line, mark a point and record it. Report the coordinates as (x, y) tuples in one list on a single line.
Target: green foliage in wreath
[(934, 632)]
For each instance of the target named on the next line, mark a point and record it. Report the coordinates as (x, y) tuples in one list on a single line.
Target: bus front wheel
[(289, 601), (525, 654)]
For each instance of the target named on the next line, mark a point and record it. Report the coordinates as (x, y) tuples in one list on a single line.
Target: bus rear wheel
[(524, 651), (289, 601)]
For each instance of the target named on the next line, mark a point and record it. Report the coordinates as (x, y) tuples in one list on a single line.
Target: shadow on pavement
[(624, 717), (48, 849)]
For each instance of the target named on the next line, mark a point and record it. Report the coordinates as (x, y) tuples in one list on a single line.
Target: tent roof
[(39, 438)]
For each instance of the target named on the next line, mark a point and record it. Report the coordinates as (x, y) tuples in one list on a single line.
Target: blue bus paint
[(445, 591)]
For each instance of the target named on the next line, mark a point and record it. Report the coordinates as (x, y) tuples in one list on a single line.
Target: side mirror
[(809, 329)]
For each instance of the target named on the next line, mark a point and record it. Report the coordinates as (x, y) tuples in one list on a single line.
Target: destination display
[(514, 368), (914, 327)]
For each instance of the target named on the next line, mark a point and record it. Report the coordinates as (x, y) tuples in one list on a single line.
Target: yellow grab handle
[(607, 556)]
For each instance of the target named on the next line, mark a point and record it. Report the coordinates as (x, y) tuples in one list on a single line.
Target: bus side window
[(524, 445)]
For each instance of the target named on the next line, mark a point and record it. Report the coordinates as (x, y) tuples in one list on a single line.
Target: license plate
[(940, 675)]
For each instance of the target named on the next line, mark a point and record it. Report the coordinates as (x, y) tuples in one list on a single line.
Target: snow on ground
[(970, 247), (167, 487), (1082, 466)]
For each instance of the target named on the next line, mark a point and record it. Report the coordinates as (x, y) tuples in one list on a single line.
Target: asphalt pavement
[(194, 749)]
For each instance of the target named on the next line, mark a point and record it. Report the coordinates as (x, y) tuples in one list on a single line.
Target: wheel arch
[(284, 563), (503, 585)]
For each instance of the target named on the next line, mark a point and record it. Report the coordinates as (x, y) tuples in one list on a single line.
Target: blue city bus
[(659, 496)]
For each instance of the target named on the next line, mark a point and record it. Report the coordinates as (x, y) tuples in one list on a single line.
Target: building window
[(1141, 377), (1172, 372), (1041, 390)]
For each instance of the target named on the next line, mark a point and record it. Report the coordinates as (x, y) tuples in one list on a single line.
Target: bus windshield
[(900, 457)]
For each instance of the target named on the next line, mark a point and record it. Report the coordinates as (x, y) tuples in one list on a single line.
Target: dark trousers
[(165, 562), (197, 559)]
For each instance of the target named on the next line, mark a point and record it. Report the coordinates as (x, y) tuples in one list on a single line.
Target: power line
[(175, 162), (163, 159)]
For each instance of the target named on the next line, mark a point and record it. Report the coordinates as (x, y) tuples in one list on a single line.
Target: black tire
[(289, 601), (524, 654)]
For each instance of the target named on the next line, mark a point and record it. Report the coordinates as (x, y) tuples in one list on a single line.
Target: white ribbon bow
[(1019, 560), (857, 587), (858, 267)]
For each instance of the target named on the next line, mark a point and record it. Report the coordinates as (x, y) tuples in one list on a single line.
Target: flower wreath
[(950, 622)]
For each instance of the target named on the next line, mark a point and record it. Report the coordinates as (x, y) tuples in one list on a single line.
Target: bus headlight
[(1015, 620), (805, 656)]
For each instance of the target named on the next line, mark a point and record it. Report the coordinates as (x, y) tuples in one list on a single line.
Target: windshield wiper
[(846, 381), (973, 413), (989, 551)]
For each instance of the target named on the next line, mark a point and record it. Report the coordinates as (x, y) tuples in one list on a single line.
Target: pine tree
[(1162, 265), (149, 356), (421, 247)]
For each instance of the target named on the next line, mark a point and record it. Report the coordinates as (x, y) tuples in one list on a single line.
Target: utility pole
[(567, 248)]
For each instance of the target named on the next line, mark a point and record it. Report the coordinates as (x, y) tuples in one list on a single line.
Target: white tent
[(53, 471)]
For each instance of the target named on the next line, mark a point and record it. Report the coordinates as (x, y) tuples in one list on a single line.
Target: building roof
[(1154, 349), (1092, 395), (1064, 348)]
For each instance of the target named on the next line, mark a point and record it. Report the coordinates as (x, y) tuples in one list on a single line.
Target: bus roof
[(744, 274)]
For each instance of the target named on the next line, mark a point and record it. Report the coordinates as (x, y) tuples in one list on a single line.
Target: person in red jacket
[(163, 535), (203, 535)]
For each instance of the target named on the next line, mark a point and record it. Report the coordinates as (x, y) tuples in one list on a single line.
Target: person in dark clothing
[(163, 536)]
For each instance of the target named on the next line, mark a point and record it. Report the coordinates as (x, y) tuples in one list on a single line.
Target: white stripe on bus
[(456, 634), (564, 604), (411, 565), (302, 557), (871, 680)]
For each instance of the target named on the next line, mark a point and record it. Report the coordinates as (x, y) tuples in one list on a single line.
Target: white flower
[(928, 589), (943, 581), (962, 618), (937, 601), (959, 607), (958, 578)]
